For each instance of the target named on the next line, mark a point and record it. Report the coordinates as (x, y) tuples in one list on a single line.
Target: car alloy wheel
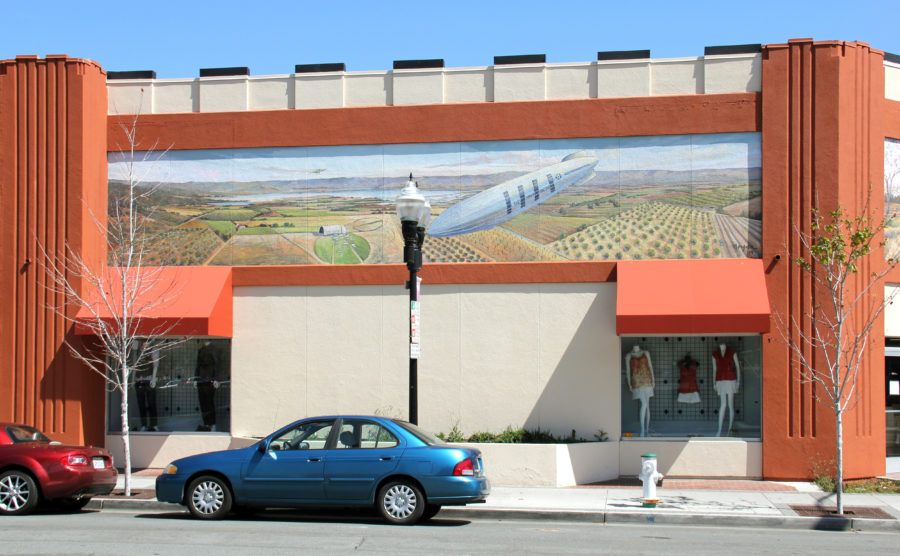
[(209, 498), (18, 493), (401, 503)]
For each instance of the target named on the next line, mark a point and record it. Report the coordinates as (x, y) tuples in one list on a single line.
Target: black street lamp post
[(415, 214)]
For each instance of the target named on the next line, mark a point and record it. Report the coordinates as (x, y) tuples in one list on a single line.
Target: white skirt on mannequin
[(642, 393), (692, 397), (726, 387)]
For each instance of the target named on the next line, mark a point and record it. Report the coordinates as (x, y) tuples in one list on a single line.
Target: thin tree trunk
[(839, 465), (126, 438)]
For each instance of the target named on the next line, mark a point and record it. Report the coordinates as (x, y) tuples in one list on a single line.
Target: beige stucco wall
[(492, 356), (571, 80), (159, 449), (892, 311), (891, 81), (713, 457)]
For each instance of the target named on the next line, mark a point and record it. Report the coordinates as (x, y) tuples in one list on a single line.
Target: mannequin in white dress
[(641, 382)]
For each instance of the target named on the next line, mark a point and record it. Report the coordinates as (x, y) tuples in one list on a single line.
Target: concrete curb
[(633, 518)]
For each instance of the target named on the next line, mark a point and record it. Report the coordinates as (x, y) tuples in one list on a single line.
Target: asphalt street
[(277, 532)]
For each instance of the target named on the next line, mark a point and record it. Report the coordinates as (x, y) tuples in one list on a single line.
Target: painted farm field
[(600, 199)]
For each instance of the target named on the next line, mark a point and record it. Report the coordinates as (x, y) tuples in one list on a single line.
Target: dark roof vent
[(623, 55), (418, 64), (139, 74), (893, 58), (732, 49), (319, 68), (520, 59), (224, 72)]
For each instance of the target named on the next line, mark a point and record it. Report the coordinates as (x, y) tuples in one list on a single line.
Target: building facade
[(610, 253)]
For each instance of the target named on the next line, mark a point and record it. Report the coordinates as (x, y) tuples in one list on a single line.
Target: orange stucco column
[(52, 186), (822, 145)]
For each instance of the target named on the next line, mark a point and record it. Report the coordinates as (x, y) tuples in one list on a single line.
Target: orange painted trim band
[(483, 121), (433, 273), (892, 119)]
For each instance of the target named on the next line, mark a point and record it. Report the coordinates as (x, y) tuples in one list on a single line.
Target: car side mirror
[(263, 446)]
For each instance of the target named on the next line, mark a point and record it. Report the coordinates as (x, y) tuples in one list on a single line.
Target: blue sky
[(178, 38), (671, 152)]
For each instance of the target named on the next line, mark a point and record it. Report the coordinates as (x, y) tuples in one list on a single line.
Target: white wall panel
[(469, 85), (176, 95), (418, 86), (892, 81), (319, 90), (270, 93), (623, 79), (368, 89), (729, 74), (571, 81), (519, 82), (676, 76), (223, 94)]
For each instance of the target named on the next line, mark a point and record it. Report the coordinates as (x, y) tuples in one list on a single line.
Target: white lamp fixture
[(425, 215), (410, 203)]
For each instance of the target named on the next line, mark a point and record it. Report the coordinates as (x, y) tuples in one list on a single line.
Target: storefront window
[(187, 388), (680, 386)]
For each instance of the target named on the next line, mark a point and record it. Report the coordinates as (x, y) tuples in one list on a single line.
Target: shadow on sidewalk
[(367, 517)]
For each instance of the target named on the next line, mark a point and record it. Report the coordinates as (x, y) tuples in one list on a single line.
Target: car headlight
[(171, 469)]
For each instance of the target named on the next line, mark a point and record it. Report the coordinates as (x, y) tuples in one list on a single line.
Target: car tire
[(401, 502), (209, 497), (431, 510), (71, 504), (18, 493)]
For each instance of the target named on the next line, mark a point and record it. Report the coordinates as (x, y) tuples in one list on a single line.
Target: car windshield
[(20, 433), (425, 437)]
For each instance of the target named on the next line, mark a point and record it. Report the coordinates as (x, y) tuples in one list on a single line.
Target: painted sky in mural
[(892, 197), (679, 196)]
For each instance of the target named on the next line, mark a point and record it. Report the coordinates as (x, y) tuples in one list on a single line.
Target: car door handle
[(313, 459), (386, 458)]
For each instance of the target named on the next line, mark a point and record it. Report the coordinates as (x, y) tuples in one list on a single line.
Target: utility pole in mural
[(108, 299), (831, 342)]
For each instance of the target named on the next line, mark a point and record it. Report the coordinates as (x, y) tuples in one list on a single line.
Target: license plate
[(99, 463)]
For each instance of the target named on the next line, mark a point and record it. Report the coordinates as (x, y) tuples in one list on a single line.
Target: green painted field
[(346, 249), (224, 228), (230, 214)]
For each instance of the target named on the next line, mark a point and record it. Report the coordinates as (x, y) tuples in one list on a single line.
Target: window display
[(690, 386), (183, 387)]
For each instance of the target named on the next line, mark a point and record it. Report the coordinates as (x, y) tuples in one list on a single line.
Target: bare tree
[(848, 303), (110, 298)]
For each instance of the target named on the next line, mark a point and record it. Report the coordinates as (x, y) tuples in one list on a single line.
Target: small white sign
[(894, 388), (414, 351)]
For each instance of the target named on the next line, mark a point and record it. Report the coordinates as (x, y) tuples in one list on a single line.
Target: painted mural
[(660, 197), (892, 197)]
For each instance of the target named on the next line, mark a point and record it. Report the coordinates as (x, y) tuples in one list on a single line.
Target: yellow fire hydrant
[(649, 476)]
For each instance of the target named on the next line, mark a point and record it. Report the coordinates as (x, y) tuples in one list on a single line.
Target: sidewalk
[(768, 506)]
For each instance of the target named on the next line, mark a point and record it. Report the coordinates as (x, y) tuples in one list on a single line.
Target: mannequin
[(639, 374), (727, 379), (145, 386), (206, 382), (688, 390)]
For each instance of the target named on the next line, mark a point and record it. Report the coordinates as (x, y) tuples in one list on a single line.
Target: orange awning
[(176, 301), (709, 296)]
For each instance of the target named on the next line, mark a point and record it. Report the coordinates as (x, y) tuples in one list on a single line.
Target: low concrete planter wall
[(551, 465)]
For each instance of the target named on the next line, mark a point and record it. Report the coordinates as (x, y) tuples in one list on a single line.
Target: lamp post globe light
[(415, 215)]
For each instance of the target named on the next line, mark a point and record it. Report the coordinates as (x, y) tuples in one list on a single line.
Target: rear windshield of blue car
[(19, 433), (424, 436)]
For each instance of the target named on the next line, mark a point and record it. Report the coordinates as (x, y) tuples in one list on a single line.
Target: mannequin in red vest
[(639, 374), (726, 372)]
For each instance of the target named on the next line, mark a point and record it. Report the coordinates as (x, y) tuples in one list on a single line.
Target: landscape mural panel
[(672, 197), (892, 197)]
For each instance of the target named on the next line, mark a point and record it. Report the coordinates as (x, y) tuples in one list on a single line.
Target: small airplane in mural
[(499, 203)]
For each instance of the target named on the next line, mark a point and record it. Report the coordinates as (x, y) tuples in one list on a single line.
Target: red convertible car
[(35, 469)]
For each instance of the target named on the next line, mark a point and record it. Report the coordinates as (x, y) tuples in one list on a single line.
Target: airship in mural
[(499, 203)]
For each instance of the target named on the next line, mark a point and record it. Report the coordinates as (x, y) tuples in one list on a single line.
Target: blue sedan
[(405, 472)]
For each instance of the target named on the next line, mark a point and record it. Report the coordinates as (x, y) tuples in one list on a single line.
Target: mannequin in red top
[(726, 379)]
